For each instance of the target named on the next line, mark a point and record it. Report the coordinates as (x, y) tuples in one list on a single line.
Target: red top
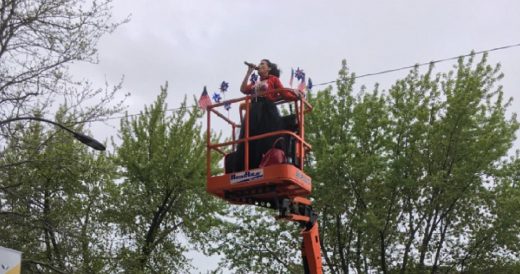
[(267, 84)]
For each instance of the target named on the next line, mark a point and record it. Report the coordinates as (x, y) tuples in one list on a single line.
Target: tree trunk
[(152, 231), (341, 245), (439, 246), (411, 238), (324, 225), (358, 252), (428, 232), (382, 253)]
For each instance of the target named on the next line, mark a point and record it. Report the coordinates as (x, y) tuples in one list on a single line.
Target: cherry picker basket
[(267, 185)]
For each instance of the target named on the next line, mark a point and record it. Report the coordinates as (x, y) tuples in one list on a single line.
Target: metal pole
[(89, 141)]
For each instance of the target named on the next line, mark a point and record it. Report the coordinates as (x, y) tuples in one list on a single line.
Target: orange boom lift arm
[(299, 210), (283, 187)]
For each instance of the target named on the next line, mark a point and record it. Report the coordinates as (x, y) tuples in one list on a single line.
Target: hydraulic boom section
[(298, 209)]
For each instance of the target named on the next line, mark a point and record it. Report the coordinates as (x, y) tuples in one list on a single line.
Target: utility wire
[(357, 76), (139, 114), (426, 63)]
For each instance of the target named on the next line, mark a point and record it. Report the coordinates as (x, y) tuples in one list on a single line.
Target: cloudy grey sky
[(192, 43)]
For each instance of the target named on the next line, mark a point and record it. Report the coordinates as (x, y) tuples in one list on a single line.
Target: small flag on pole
[(300, 75), (292, 77), (204, 100), (302, 86)]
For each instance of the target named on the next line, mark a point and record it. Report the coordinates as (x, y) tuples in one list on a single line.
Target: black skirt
[(264, 117)]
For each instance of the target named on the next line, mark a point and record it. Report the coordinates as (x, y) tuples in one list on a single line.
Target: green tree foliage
[(162, 200), (408, 181), (495, 245), (53, 192), (53, 206), (252, 241), (349, 163)]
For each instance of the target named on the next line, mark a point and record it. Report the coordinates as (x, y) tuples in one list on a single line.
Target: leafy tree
[(466, 134), (163, 201), (493, 246), (53, 207), (53, 192), (38, 40), (252, 241), (402, 179), (349, 162)]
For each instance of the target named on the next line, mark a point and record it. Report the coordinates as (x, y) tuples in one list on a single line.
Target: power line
[(357, 76), (139, 114), (426, 63)]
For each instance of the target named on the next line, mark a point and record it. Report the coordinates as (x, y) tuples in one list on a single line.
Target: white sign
[(304, 178), (10, 261), (247, 176)]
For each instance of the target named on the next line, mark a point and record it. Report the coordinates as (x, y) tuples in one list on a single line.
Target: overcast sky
[(195, 43)]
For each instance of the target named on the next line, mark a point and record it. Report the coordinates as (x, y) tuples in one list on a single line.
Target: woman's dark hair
[(274, 68)]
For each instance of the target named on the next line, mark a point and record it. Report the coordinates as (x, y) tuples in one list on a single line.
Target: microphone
[(250, 65)]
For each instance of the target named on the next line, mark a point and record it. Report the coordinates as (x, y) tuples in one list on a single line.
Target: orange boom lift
[(283, 187)]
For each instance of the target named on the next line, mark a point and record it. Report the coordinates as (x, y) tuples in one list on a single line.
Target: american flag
[(302, 86), (204, 100), (300, 76)]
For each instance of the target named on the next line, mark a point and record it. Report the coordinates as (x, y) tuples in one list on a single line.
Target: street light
[(89, 141)]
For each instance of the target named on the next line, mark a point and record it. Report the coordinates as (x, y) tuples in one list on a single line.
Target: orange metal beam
[(302, 133), (301, 200), (248, 109), (261, 136), (223, 117), (296, 218), (311, 251), (208, 143)]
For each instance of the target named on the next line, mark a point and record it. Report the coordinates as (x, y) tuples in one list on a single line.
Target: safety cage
[(269, 185)]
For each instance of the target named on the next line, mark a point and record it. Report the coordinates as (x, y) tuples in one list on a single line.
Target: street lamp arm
[(36, 119), (89, 141)]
